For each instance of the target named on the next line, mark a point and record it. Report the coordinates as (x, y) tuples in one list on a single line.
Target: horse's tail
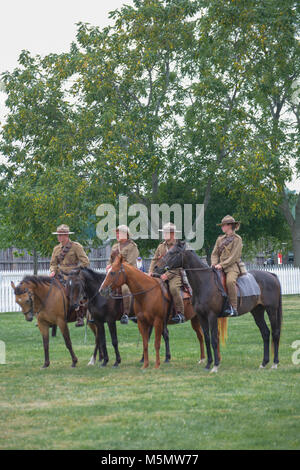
[(223, 329), (278, 313)]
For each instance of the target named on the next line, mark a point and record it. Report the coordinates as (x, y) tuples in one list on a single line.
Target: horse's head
[(172, 259), (24, 298), (75, 288), (115, 277)]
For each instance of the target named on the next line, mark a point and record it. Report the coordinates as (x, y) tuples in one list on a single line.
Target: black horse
[(208, 300), (85, 283)]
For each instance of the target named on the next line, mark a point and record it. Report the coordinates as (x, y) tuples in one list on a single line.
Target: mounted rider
[(66, 256), (130, 252), (173, 277), (226, 255)]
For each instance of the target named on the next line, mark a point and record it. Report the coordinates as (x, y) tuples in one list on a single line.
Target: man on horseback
[(226, 255), (174, 276), (66, 256), (130, 253)]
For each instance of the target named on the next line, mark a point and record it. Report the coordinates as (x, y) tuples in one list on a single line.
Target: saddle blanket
[(246, 285)]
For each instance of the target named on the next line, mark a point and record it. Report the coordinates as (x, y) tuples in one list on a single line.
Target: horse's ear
[(13, 285), (181, 244)]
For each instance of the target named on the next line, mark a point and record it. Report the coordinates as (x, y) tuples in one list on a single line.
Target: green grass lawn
[(180, 406)]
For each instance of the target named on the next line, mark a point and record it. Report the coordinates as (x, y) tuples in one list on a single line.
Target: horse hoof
[(104, 364), (262, 366), (214, 370), (116, 364), (45, 365), (92, 361), (274, 366), (201, 361)]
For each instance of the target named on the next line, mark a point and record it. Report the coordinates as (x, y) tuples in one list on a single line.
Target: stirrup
[(178, 318), (229, 312), (124, 319)]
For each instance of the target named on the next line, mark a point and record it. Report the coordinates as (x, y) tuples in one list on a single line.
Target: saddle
[(246, 284)]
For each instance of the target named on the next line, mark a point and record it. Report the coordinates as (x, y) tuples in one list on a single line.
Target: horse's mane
[(203, 264), (37, 280), (91, 274)]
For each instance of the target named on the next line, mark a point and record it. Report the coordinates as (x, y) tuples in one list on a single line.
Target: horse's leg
[(66, 334), (44, 329), (197, 328), (149, 336), (275, 327), (101, 341), (213, 326), (205, 328), (114, 339), (144, 330), (159, 326), (94, 356), (165, 335), (54, 328), (258, 315)]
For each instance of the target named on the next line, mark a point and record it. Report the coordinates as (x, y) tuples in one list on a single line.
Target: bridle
[(81, 292), (27, 291), (31, 295), (205, 268), (111, 285)]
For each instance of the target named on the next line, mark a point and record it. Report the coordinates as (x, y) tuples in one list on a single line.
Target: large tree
[(199, 92), (42, 179)]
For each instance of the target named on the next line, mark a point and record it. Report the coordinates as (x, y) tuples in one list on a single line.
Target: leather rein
[(122, 271), (43, 303)]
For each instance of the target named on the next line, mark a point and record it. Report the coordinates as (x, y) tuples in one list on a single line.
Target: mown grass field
[(180, 406)]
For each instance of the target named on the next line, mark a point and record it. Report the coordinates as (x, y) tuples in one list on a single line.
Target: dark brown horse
[(46, 297), (208, 300), (151, 303), (85, 283)]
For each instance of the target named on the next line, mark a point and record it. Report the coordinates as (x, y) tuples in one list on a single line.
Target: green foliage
[(178, 100)]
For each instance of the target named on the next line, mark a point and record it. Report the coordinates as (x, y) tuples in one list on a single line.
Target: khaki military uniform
[(174, 276), (227, 252), (130, 252), (73, 258)]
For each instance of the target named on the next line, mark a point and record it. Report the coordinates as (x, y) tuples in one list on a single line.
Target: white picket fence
[(7, 296), (289, 277)]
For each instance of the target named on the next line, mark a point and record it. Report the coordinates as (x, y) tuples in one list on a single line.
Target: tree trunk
[(296, 234), (35, 262), (294, 224)]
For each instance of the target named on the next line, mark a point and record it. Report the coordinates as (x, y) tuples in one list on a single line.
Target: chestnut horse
[(45, 297), (84, 283), (208, 300), (151, 303)]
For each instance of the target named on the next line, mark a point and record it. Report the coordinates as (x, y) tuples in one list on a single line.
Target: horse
[(46, 297), (151, 303), (208, 300), (85, 282)]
